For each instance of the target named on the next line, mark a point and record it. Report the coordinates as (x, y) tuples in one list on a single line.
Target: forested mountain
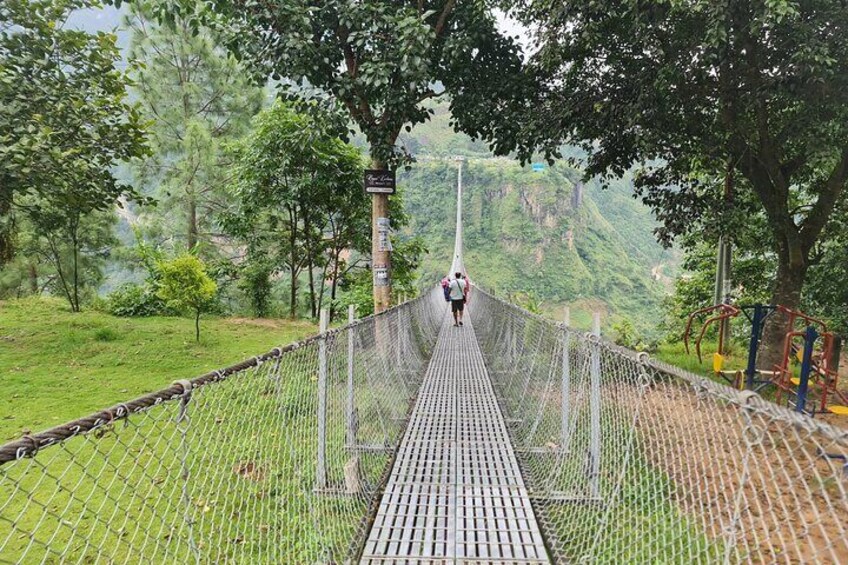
[(542, 233)]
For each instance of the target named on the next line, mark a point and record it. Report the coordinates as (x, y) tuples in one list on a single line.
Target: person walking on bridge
[(458, 287)]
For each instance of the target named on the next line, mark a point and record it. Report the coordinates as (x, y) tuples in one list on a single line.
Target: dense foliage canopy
[(65, 124), (64, 119), (298, 203), (712, 100)]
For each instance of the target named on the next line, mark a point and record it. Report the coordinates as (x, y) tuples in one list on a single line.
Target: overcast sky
[(513, 28)]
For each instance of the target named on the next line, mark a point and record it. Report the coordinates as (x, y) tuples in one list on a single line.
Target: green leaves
[(185, 286), (381, 59), (734, 112), (64, 120), (196, 97), (298, 195)]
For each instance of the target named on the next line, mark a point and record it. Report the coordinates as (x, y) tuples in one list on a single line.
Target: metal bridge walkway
[(455, 494)]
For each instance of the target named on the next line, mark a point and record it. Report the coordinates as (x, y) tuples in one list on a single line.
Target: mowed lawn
[(56, 366)]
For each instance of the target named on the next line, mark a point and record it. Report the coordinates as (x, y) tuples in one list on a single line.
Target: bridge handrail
[(29, 444), (717, 389)]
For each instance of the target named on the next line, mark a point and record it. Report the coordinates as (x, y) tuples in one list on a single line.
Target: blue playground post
[(810, 338), (756, 323)]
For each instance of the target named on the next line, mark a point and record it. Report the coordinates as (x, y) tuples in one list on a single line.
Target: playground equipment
[(718, 314), (725, 312), (816, 349)]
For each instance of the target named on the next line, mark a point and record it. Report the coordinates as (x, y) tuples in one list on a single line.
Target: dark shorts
[(458, 305)]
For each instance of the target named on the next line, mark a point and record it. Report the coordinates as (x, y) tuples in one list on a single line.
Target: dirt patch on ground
[(793, 506), (834, 420), (250, 470)]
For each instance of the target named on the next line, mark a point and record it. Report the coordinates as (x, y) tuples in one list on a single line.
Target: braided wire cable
[(235, 466)]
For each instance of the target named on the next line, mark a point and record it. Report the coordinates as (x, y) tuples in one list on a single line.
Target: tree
[(59, 250), (255, 281), (382, 59), (64, 120), (712, 100), (195, 95), (75, 244), (755, 267), (184, 285), (298, 197)]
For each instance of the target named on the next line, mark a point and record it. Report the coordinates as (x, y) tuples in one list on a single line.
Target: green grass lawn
[(56, 366), (675, 354)]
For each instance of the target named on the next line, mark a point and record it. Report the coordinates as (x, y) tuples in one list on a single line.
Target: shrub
[(134, 300), (185, 285), (255, 283)]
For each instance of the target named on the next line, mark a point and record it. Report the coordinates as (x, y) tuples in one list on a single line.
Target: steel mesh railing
[(276, 460), (633, 461)]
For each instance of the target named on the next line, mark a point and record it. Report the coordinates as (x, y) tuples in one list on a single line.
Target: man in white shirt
[(457, 295)]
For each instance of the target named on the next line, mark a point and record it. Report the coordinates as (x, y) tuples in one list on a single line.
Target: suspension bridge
[(402, 439)]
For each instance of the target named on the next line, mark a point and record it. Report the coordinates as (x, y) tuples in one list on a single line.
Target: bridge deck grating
[(455, 494)]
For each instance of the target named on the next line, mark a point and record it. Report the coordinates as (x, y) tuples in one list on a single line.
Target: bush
[(186, 286), (134, 300)]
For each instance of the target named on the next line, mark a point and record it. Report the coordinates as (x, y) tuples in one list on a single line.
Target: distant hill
[(539, 232)]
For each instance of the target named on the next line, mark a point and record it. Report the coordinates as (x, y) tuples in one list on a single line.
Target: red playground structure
[(813, 389)]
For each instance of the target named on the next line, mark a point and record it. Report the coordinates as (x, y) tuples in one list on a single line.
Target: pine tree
[(196, 97)]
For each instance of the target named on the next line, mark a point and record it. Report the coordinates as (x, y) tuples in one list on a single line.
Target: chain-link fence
[(276, 460), (633, 461)]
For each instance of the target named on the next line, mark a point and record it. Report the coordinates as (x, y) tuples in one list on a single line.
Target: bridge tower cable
[(457, 265)]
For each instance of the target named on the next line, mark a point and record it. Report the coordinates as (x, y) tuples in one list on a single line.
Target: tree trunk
[(312, 302), (197, 326), (787, 292), (75, 242), (292, 265), (7, 247), (293, 296), (380, 259), (33, 279), (321, 291), (192, 222), (335, 283), (57, 263)]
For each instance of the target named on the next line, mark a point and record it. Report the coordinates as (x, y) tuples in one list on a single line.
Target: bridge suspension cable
[(457, 263)]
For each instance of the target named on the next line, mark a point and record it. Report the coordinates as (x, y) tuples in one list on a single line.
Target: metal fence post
[(321, 473), (353, 483), (183, 423), (595, 409), (351, 405), (566, 379), (399, 347)]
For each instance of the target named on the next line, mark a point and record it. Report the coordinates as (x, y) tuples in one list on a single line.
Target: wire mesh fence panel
[(633, 461), (276, 460)]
